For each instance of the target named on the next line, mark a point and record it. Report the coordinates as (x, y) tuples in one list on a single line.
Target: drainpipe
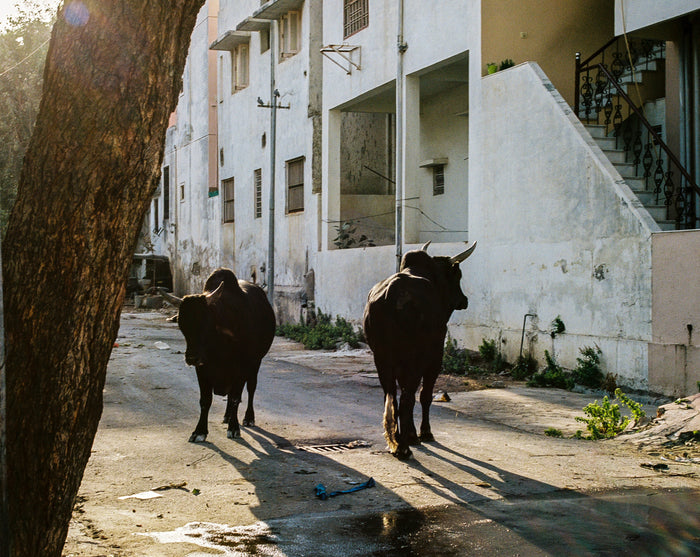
[(273, 140), (401, 47), (4, 505)]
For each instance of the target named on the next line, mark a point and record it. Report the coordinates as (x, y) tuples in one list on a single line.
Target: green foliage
[(321, 333), (488, 351), (552, 375), (607, 421), (346, 237), (23, 47), (588, 370), (557, 327), (524, 368), (455, 361), (553, 432), (507, 63)]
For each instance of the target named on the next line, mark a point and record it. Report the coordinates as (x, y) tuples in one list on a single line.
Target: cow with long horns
[(405, 323)]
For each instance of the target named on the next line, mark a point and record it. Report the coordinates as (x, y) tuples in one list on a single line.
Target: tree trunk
[(113, 74)]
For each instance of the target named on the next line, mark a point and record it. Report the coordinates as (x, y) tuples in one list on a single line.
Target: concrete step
[(616, 156), (648, 198), (666, 225), (657, 212)]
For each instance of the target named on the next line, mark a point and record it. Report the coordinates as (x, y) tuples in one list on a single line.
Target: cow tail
[(390, 425)]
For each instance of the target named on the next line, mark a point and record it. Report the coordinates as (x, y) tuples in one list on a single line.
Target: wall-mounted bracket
[(346, 53)]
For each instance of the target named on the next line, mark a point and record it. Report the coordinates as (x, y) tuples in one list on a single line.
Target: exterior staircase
[(618, 132)]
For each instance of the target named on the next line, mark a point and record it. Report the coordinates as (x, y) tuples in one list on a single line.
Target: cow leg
[(249, 418), (407, 430), (426, 398), (199, 435), (234, 399)]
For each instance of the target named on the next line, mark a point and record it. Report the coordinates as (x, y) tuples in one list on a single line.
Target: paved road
[(491, 484)]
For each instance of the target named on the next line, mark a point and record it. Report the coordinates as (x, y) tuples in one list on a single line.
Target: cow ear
[(213, 297)]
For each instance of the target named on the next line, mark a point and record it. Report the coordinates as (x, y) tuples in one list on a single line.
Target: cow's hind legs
[(234, 399)]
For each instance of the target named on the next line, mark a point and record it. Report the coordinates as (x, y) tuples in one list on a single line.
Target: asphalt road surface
[(491, 484)]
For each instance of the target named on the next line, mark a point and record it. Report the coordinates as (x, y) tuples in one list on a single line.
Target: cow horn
[(214, 296), (425, 246), (174, 300), (462, 256)]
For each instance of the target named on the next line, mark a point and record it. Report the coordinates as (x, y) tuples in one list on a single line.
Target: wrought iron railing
[(601, 97)]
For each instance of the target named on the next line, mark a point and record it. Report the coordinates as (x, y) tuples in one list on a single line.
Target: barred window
[(227, 187), (257, 185), (295, 185), (355, 16), (239, 68), (438, 179), (289, 33)]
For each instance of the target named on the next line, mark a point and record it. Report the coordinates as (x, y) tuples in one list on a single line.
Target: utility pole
[(273, 105), (401, 48)]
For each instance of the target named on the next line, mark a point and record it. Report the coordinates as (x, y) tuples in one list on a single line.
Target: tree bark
[(112, 77)]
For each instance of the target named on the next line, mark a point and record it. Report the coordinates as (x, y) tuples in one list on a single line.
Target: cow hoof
[(414, 440), (198, 438), (249, 423), (232, 434), (403, 453), (427, 437)]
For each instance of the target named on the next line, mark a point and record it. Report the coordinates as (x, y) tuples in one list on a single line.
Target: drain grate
[(333, 447)]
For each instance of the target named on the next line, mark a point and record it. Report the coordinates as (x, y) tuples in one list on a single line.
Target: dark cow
[(405, 323), (228, 329)]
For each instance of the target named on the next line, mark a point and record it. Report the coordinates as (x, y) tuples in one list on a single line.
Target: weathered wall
[(559, 233), (674, 353), (633, 15)]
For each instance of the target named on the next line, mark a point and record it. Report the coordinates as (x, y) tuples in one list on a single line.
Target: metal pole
[(401, 48), (273, 133), (4, 505)]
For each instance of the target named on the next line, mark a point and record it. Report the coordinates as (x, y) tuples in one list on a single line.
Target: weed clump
[(487, 349), (524, 368), (322, 333), (553, 375), (455, 361), (588, 372), (606, 421)]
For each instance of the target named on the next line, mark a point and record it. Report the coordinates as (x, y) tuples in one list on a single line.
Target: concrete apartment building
[(580, 214)]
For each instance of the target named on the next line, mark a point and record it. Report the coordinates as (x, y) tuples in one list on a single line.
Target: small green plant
[(455, 361), (553, 375), (491, 67), (553, 432), (346, 237), (524, 368), (588, 372), (698, 385), (507, 63), (487, 349), (606, 420), (557, 327), (321, 333)]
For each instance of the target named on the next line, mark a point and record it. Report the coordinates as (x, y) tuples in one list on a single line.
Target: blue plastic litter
[(322, 494)]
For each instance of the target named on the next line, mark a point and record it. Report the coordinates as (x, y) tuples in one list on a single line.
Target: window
[(182, 192), (438, 179), (155, 216), (257, 185), (239, 67), (355, 16), (227, 187), (166, 193), (295, 185), (289, 34)]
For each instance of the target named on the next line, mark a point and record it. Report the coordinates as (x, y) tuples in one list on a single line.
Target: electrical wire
[(27, 57)]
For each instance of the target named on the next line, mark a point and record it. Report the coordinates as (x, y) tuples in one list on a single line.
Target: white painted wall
[(632, 15)]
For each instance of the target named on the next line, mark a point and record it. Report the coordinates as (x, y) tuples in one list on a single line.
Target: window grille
[(166, 193), (257, 184), (439, 179), (355, 16), (295, 185), (227, 186)]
